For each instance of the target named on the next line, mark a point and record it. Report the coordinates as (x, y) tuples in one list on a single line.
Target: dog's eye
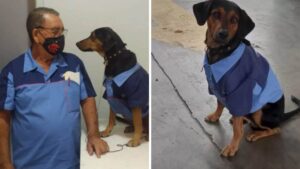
[(216, 15), (234, 20)]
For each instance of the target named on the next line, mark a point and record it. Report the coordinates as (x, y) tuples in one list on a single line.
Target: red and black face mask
[(54, 45)]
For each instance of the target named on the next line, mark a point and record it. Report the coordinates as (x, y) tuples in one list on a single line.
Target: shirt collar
[(121, 78), (221, 67), (30, 64)]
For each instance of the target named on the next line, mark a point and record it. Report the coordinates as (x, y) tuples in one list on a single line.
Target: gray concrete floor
[(181, 138)]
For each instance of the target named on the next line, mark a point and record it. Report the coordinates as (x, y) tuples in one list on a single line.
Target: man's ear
[(35, 36), (201, 11), (246, 24)]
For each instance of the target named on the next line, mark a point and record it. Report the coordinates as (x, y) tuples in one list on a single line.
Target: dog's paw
[(212, 118), (134, 143), (252, 137), (104, 133), (229, 151), (256, 135)]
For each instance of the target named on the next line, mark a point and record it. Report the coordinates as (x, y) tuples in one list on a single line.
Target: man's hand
[(96, 145), (5, 155), (7, 166)]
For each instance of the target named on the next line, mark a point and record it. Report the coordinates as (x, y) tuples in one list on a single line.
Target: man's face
[(49, 36)]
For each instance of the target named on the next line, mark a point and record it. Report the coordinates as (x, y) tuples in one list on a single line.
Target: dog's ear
[(106, 35), (110, 39), (201, 11), (246, 24), (108, 42)]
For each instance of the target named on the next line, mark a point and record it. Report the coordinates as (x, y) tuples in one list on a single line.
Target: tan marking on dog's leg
[(238, 132), (111, 123), (256, 135), (245, 120), (214, 117), (257, 116), (138, 127)]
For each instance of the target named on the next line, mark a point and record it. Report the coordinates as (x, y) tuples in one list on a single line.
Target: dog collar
[(221, 67), (106, 58), (116, 53)]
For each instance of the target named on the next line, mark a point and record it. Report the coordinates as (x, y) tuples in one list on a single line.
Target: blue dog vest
[(243, 82), (127, 90)]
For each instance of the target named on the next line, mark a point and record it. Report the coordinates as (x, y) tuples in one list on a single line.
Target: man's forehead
[(52, 20)]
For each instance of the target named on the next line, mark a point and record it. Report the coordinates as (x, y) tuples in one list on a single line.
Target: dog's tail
[(290, 114)]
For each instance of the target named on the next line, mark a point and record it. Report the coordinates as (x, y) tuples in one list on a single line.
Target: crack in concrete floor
[(209, 135)]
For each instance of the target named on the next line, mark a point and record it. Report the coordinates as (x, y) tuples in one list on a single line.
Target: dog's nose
[(223, 34)]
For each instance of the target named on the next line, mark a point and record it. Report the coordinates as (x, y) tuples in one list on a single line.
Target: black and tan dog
[(126, 82), (238, 76)]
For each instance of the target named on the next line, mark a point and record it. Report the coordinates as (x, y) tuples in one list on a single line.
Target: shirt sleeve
[(137, 90), (86, 86), (7, 91)]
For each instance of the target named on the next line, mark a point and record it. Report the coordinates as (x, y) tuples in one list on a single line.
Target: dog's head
[(102, 40), (225, 21)]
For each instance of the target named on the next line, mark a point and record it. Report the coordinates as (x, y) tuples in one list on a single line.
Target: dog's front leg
[(111, 123), (214, 117), (138, 127), (238, 132)]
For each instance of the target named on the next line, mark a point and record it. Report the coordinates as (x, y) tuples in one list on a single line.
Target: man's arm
[(5, 156), (95, 143)]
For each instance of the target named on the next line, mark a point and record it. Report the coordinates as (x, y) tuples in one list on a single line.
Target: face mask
[(55, 45)]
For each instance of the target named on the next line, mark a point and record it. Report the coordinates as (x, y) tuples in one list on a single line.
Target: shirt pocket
[(72, 94)]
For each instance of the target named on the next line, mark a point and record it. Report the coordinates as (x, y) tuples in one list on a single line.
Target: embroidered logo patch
[(74, 76)]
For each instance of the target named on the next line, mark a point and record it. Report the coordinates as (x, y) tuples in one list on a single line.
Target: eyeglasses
[(56, 31)]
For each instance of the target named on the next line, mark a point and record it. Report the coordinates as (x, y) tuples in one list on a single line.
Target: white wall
[(14, 39), (128, 18)]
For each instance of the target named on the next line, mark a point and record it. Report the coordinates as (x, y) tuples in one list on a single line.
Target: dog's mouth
[(78, 44), (220, 41), (217, 43), (86, 50)]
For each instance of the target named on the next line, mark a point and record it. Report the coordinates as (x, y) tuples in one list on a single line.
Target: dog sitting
[(126, 82), (239, 77)]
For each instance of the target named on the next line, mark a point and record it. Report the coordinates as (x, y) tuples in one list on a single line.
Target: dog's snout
[(78, 44), (223, 34), (83, 46)]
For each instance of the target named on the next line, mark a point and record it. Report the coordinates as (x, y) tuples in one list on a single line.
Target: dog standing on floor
[(238, 76), (126, 82)]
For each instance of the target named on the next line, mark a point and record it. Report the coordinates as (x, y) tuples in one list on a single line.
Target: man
[(40, 96)]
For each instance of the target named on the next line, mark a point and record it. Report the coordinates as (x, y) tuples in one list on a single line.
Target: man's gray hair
[(36, 19)]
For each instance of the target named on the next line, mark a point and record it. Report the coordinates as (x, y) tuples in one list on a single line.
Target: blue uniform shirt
[(45, 110), (243, 81), (127, 90)]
